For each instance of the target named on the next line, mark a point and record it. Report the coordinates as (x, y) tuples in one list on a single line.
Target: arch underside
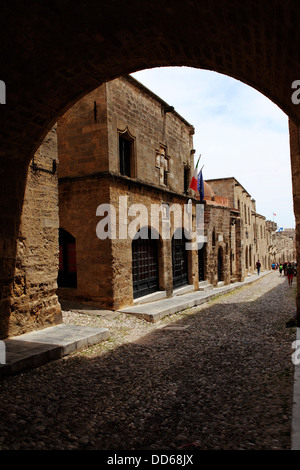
[(55, 52)]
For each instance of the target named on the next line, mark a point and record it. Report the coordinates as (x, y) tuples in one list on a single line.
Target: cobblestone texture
[(219, 376)]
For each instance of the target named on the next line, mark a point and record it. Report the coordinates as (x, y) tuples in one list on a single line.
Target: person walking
[(258, 265), (290, 273), (280, 269)]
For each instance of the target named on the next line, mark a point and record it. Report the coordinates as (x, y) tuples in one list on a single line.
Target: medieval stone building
[(252, 235), (123, 149), (284, 246)]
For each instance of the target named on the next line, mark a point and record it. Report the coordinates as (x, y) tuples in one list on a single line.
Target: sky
[(238, 132)]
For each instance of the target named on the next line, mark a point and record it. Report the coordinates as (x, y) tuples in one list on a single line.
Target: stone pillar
[(12, 187), (295, 166), (239, 250), (165, 265), (29, 243)]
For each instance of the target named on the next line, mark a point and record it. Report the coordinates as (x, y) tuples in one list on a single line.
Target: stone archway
[(50, 63)]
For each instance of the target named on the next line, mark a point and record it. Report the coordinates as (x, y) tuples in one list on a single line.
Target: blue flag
[(200, 185)]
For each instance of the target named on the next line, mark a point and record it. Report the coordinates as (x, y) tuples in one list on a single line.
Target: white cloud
[(238, 132)]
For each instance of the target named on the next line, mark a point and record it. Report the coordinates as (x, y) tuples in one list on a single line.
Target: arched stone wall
[(55, 52)]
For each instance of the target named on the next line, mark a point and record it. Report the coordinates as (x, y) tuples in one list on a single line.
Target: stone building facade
[(122, 146), (253, 237), (221, 251), (284, 250)]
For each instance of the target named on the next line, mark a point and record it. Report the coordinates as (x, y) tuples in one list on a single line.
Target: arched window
[(126, 154), (67, 274), (144, 265)]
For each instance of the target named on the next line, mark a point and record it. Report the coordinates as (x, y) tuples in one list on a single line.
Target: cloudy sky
[(238, 132)]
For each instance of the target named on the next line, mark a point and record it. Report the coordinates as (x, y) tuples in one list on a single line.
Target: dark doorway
[(67, 274), (220, 265), (144, 266), (201, 258), (179, 260)]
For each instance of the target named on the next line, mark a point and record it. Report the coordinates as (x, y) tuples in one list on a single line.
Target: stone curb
[(154, 311), (36, 348)]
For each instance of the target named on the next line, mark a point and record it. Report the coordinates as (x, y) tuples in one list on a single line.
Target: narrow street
[(219, 376)]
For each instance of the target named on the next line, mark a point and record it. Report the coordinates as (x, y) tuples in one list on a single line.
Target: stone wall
[(218, 233), (155, 129), (33, 302), (83, 149)]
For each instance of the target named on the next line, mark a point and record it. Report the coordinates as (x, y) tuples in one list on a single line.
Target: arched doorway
[(145, 275), (179, 259), (220, 265)]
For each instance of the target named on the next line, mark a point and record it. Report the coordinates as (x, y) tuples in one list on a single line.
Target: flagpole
[(198, 160)]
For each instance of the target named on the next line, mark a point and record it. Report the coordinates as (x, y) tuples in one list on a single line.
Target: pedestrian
[(258, 265), (290, 273), (280, 269)]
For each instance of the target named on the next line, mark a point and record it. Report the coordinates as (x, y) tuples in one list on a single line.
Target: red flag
[(194, 182)]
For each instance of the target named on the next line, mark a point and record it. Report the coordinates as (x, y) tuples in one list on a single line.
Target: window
[(125, 152), (186, 179), (214, 238)]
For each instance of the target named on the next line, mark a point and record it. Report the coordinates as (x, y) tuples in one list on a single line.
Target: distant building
[(253, 238)]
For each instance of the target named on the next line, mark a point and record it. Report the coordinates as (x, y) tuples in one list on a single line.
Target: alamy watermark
[(296, 354), (296, 94), (135, 222), (2, 352), (2, 92)]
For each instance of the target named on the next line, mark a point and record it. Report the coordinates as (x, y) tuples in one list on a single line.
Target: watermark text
[(163, 220), (296, 94)]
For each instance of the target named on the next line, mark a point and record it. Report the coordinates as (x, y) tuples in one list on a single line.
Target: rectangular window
[(125, 150), (186, 179)]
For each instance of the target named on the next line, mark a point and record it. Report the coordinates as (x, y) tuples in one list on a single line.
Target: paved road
[(219, 376)]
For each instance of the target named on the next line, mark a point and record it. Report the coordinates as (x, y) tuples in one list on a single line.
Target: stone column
[(295, 166), (239, 250), (12, 187)]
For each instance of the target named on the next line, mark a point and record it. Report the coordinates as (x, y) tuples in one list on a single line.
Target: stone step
[(161, 294), (36, 348), (205, 285), (183, 290)]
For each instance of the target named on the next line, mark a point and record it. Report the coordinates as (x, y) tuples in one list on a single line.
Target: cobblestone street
[(219, 376)]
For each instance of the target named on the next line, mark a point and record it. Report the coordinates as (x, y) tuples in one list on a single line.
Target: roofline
[(230, 178), (135, 82)]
